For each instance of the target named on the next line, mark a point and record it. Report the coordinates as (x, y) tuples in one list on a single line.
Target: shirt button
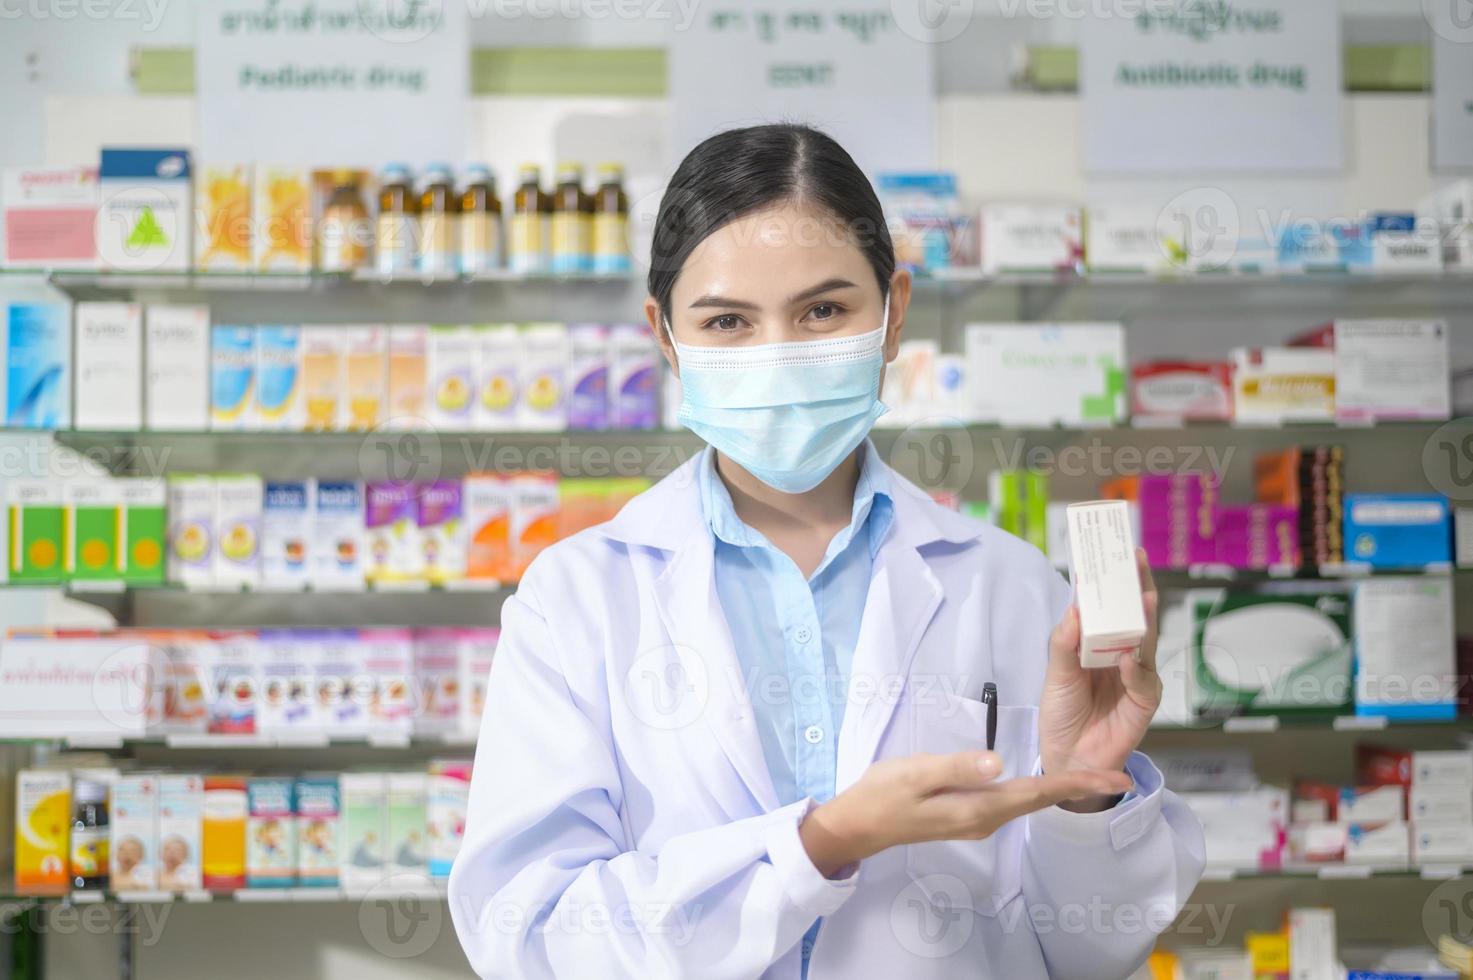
[(802, 634), (813, 734)]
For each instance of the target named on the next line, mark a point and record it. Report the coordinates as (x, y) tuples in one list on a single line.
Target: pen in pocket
[(989, 698)]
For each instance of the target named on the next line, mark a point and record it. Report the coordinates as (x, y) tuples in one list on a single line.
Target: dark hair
[(740, 171)]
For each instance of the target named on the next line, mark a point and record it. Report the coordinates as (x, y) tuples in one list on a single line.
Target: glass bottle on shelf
[(610, 222), (89, 838), (480, 221), (572, 222), (531, 214), (345, 234), (438, 206), (398, 225)]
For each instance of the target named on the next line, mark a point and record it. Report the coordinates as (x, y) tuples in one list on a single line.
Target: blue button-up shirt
[(795, 637)]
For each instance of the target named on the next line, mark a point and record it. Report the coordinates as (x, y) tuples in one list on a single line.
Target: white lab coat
[(622, 822)]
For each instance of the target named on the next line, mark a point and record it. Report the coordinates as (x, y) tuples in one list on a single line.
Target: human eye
[(824, 311), (725, 323)]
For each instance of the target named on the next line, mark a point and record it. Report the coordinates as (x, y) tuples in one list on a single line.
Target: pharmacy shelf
[(403, 741), (974, 275), (955, 458), (90, 281), (84, 437), (1227, 574), (428, 891), (102, 442), (104, 590), (1338, 872), (172, 607), (1269, 724), (942, 301), (1041, 289), (437, 890), (502, 277), (385, 455), (1194, 302), (83, 590), (396, 741), (959, 277)]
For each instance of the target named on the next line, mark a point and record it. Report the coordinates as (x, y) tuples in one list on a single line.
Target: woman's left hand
[(1094, 718)]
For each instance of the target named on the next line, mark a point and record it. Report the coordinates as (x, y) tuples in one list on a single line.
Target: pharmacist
[(740, 731)]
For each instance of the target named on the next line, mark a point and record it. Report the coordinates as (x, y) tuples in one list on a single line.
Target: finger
[(1142, 683), (1063, 642), (956, 771), (981, 812), (1152, 601), (1143, 565), (1031, 793), (1153, 632)]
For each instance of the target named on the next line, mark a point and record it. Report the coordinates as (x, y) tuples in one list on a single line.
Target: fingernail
[(990, 764)]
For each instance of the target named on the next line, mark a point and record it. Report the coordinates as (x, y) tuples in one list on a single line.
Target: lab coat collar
[(669, 515)]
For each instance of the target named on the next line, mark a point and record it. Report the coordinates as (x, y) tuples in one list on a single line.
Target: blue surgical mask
[(787, 413)]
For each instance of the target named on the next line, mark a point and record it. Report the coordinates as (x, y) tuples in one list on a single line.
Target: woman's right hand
[(918, 798)]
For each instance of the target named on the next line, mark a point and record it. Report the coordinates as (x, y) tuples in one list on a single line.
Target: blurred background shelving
[(1006, 123)]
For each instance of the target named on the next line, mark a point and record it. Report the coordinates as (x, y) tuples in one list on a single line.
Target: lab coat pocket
[(986, 875)]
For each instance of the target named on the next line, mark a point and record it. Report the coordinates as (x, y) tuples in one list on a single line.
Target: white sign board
[(319, 83), (846, 66), (97, 686), (1452, 94), (1170, 86)]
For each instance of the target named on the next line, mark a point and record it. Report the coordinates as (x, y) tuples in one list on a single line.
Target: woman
[(737, 731)]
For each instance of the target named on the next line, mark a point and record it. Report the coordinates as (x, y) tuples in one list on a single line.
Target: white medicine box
[(1107, 587), (109, 366), (1070, 374)]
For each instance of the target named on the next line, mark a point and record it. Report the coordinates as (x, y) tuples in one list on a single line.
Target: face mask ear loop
[(674, 348)]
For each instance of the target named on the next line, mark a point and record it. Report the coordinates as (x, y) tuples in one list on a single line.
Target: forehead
[(772, 253)]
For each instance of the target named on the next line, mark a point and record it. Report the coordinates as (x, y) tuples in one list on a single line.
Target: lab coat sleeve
[(1101, 886), (545, 884)]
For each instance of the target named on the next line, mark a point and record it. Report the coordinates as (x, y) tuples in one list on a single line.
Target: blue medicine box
[(1397, 530)]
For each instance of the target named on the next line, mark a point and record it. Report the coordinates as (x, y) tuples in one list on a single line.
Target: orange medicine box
[(223, 201), (534, 517), (323, 376), (1276, 477), (487, 504), (582, 503), (282, 216), (43, 818), (1121, 488), (408, 367), (224, 833), (365, 392)]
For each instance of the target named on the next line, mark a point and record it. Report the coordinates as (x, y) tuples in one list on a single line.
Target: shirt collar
[(668, 517), (873, 507)]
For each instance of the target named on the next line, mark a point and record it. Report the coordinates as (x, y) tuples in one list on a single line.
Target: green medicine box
[(1261, 651), (35, 511), (142, 530), (93, 512)]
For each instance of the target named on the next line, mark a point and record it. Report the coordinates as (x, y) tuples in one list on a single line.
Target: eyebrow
[(828, 285)]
